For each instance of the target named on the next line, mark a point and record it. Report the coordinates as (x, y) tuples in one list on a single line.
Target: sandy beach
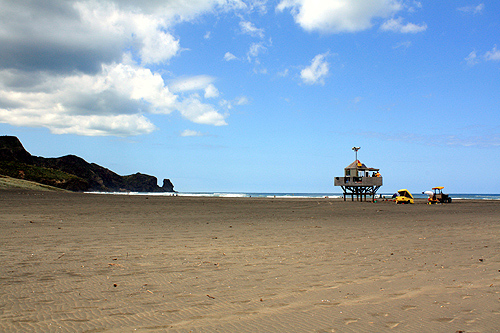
[(72, 262)]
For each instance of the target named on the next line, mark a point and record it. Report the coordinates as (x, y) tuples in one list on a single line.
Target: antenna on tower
[(356, 150)]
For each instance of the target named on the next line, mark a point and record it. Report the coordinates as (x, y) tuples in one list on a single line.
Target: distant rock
[(167, 185), (71, 172)]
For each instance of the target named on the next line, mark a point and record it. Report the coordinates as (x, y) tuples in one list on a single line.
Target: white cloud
[(211, 91), (199, 82), (158, 46), (258, 5), (396, 25), (138, 84), (228, 105), (284, 73), (334, 16), (191, 107), (471, 59), (255, 50), (114, 102), (250, 29), (493, 55), (110, 103), (403, 45), (242, 100), (472, 9), (229, 56), (149, 31), (317, 71), (119, 125), (194, 110), (189, 132), (414, 6)]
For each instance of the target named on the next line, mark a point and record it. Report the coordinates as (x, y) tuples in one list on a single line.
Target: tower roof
[(360, 166)]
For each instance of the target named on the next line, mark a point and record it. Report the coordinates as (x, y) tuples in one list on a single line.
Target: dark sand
[(97, 263)]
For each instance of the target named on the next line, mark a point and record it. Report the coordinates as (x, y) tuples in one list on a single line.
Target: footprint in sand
[(408, 307), (241, 301), (392, 324), (445, 320), (348, 321), (327, 303)]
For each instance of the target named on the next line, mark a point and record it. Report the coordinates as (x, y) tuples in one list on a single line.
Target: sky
[(258, 95)]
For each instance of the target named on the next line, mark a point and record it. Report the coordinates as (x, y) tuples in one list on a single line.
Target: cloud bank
[(81, 67)]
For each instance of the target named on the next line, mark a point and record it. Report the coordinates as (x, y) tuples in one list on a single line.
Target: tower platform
[(359, 181)]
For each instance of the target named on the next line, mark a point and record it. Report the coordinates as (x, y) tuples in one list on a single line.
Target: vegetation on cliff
[(70, 172)]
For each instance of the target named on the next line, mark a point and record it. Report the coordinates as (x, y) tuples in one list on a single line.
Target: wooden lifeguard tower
[(359, 181)]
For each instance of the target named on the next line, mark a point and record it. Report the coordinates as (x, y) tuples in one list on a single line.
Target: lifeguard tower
[(359, 181)]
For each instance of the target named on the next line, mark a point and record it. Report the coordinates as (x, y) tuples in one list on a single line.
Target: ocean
[(294, 195)]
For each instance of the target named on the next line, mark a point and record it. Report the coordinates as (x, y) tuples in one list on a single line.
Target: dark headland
[(70, 172)]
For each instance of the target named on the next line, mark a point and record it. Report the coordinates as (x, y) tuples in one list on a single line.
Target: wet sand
[(100, 263)]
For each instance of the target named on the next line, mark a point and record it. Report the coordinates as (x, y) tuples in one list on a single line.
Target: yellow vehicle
[(438, 196), (404, 196)]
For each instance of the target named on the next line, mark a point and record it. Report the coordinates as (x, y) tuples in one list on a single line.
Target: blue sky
[(259, 96)]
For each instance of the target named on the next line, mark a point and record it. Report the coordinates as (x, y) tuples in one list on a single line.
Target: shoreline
[(81, 262), (386, 197)]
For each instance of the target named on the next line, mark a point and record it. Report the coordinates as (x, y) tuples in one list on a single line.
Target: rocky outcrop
[(167, 185), (71, 172)]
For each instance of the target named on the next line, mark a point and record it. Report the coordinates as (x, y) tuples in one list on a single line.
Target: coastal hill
[(70, 172)]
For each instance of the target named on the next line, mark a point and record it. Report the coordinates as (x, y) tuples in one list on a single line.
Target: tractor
[(439, 196)]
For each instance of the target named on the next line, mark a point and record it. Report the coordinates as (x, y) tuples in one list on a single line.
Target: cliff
[(70, 172)]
